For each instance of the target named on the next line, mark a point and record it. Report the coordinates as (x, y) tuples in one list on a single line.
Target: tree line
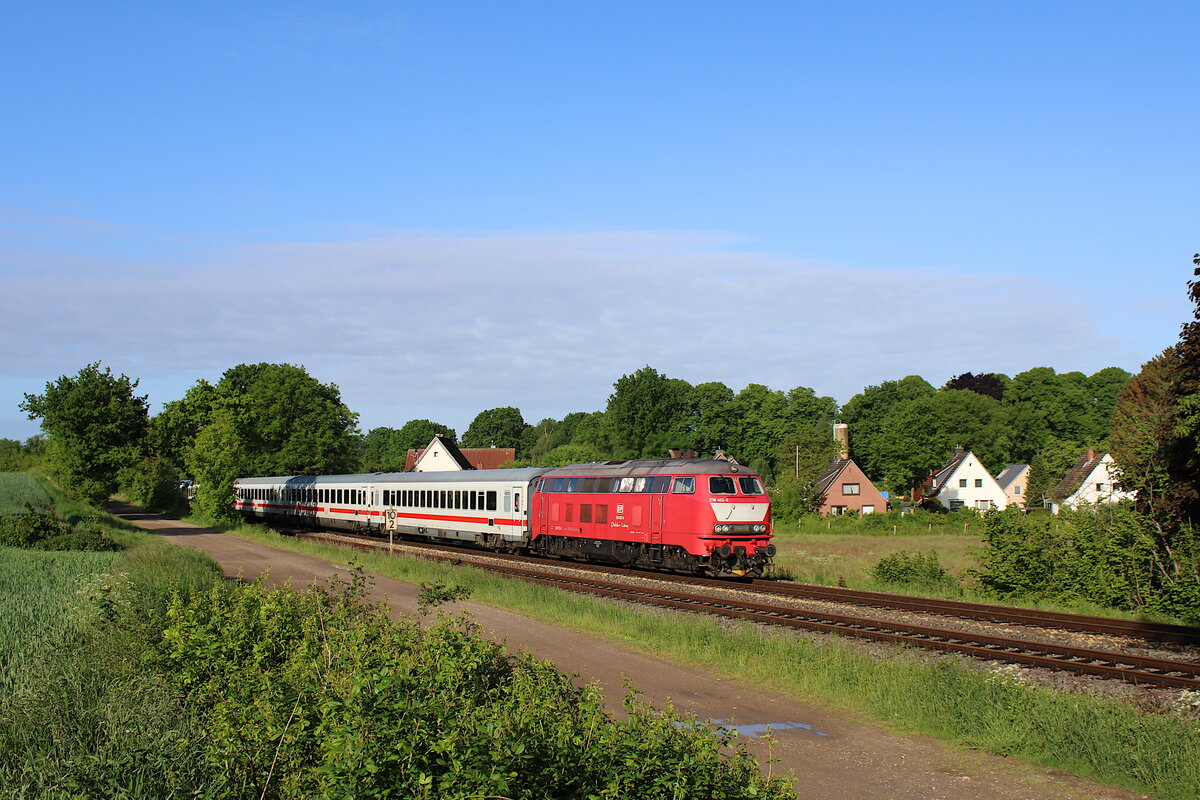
[(276, 419)]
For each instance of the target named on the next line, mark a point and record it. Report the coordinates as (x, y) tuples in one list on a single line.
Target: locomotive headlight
[(760, 528)]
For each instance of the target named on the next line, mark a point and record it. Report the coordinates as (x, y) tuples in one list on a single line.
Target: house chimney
[(841, 435), (674, 453), (1091, 454)]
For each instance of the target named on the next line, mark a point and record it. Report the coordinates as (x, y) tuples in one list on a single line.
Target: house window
[(850, 488), (868, 509), (956, 504), (983, 505), (1101, 487), (962, 483), (1017, 490), (837, 511), (979, 483)]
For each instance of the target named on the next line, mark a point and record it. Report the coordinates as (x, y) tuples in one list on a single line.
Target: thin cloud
[(441, 325)]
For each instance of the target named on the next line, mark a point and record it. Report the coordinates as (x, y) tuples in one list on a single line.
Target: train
[(707, 517)]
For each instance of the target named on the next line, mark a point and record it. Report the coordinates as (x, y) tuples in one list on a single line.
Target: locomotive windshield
[(750, 485)]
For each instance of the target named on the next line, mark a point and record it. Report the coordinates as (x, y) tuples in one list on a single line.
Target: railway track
[(1126, 667)]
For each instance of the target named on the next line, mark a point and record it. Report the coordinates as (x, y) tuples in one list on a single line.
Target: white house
[(1089, 482), (964, 481), (442, 455)]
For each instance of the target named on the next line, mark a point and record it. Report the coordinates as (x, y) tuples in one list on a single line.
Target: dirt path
[(831, 755)]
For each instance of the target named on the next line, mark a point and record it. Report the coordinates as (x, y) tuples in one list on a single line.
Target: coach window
[(721, 484), (585, 512), (491, 501), (684, 486), (570, 516), (507, 501), (571, 484), (601, 514)]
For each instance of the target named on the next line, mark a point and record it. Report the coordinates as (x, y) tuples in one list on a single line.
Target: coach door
[(520, 511)]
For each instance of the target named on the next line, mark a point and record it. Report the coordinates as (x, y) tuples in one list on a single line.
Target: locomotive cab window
[(684, 486), (721, 484), (750, 485)]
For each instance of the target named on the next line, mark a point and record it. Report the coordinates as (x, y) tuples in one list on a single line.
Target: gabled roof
[(836, 467), (942, 475), (1077, 475), (467, 457), (1010, 474)]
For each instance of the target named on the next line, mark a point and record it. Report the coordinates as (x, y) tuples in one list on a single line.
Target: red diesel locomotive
[(708, 517)]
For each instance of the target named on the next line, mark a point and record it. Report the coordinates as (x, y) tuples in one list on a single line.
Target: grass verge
[(79, 715), (1103, 739)]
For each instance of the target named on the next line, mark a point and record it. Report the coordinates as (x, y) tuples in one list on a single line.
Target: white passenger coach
[(488, 506)]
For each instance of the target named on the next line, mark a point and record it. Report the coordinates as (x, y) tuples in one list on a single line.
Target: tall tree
[(496, 427), (173, 430), (805, 455), (269, 419), (708, 419), (1181, 452), (870, 444), (96, 424), (985, 383), (1142, 420), (642, 410)]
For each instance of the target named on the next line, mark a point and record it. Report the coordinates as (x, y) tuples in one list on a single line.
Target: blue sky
[(448, 207)]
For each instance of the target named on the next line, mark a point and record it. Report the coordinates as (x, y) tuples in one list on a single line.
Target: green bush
[(1109, 555), (319, 694), (43, 530), (912, 569), (153, 483)]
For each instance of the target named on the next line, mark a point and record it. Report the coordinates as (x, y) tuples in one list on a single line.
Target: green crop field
[(36, 594), (19, 488)]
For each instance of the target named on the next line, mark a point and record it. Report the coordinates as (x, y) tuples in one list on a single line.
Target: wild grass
[(1101, 738)]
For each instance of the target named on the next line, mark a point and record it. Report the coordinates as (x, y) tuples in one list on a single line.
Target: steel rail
[(1125, 667), (1135, 629)]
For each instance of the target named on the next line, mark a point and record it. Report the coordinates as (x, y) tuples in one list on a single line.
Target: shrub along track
[(1131, 668)]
